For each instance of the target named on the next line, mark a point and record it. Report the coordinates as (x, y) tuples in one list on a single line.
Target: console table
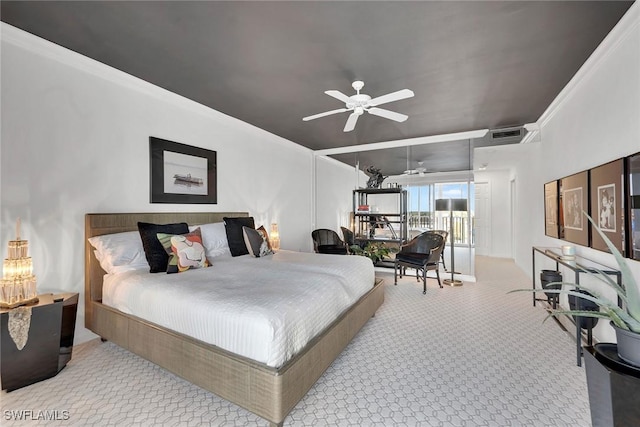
[(49, 344), (579, 266)]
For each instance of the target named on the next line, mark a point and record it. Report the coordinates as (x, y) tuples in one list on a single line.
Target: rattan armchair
[(422, 253), (327, 241), (349, 237), (444, 235)]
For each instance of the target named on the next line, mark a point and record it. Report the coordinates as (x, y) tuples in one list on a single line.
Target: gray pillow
[(257, 241)]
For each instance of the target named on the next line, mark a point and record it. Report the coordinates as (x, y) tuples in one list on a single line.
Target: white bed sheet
[(265, 309)]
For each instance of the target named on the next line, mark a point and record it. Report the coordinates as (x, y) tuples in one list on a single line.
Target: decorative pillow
[(265, 235), (233, 227), (214, 238), (153, 250), (257, 241), (185, 251), (119, 250)]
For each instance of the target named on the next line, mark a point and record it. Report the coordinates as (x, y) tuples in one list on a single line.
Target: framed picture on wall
[(574, 197), (551, 226), (181, 173), (633, 206), (607, 201)]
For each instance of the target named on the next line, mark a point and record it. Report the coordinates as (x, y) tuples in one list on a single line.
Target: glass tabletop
[(575, 262)]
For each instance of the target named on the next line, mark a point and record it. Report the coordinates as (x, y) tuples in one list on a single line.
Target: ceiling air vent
[(506, 133), (501, 136)]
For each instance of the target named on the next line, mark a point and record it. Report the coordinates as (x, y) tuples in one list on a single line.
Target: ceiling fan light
[(360, 102)]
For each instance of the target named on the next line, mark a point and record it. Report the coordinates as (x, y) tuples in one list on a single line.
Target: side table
[(49, 345), (614, 387)]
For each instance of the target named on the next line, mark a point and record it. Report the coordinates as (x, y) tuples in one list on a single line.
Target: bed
[(270, 392)]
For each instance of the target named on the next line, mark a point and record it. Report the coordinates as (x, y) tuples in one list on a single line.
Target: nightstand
[(49, 346)]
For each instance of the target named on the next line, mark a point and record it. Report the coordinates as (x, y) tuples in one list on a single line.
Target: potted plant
[(373, 250), (625, 320)]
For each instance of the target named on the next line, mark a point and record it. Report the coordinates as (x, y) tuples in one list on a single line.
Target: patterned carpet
[(458, 356)]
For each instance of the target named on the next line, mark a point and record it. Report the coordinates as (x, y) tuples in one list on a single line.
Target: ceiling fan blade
[(326, 113), (388, 114), (338, 95), (351, 122), (390, 97)]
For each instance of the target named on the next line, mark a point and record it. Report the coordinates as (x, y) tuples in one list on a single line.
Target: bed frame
[(267, 392)]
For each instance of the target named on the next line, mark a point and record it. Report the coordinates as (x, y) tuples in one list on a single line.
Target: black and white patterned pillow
[(154, 251), (257, 241)]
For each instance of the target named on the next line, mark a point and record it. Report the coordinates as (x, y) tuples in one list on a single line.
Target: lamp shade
[(455, 205), (443, 204), (459, 205)]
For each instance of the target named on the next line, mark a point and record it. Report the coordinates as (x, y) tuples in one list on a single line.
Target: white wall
[(517, 162), (594, 120), (75, 139), (500, 224), (335, 183)]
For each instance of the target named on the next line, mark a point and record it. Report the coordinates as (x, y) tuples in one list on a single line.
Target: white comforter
[(265, 309)]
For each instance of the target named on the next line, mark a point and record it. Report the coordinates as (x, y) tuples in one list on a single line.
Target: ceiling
[(472, 65)]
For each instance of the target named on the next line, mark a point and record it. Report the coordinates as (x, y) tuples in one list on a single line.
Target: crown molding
[(623, 30)]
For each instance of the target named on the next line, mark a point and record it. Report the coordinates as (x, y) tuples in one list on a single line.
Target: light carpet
[(457, 356)]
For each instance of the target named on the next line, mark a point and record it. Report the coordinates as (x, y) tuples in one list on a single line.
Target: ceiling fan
[(359, 103), (420, 170)]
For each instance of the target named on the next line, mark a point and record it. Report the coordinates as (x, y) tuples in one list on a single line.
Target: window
[(422, 215), (420, 207)]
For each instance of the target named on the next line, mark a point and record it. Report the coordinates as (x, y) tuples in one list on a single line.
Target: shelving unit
[(387, 210)]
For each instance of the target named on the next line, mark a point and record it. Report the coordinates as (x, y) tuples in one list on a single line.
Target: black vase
[(577, 303), (549, 276)]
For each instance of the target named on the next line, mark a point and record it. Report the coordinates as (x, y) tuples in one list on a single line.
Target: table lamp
[(18, 284), (274, 237)]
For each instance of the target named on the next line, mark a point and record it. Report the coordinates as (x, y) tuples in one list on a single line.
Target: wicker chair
[(327, 241), (422, 253), (444, 235), (349, 237)]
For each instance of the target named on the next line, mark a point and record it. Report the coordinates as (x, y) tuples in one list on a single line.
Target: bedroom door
[(483, 218)]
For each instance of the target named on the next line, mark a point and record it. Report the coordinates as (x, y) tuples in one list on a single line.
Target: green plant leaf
[(601, 301), (611, 310), (581, 313), (603, 277), (630, 286), (627, 317), (373, 250)]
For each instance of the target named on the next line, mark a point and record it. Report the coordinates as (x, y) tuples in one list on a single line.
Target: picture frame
[(181, 173), (574, 199), (607, 204), (551, 217), (632, 203)]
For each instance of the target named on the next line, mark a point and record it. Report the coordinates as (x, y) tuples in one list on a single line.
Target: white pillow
[(114, 251), (214, 239)]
